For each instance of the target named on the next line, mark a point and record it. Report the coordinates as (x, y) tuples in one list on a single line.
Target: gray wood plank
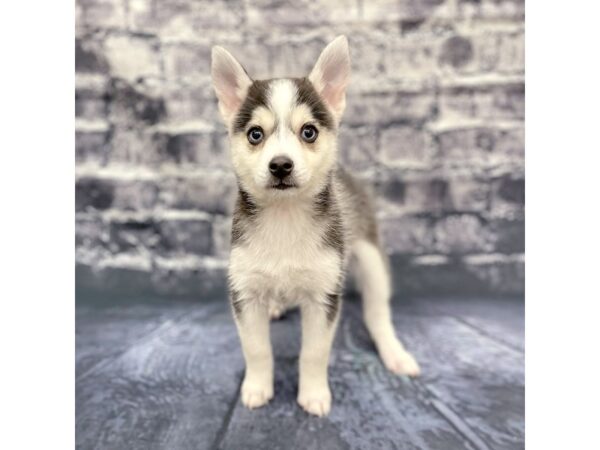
[(477, 377), (502, 319), (169, 379), (372, 409), (171, 390), (103, 333)]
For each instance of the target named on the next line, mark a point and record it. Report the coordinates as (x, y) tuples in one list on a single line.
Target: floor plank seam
[(452, 418), (228, 416), (484, 333)]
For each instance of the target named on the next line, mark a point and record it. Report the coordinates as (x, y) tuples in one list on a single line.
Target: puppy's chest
[(283, 255)]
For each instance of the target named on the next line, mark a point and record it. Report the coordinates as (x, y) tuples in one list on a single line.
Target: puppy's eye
[(255, 135), (309, 133)]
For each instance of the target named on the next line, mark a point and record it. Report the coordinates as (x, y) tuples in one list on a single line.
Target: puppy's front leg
[(252, 320), (318, 330)]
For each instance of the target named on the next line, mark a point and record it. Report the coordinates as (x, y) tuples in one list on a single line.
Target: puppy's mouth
[(282, 186)]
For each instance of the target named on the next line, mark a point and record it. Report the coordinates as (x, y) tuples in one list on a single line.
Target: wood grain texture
[(171, 389), (168, 377)]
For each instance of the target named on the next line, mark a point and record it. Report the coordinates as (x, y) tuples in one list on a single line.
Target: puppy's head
[(283, 131)]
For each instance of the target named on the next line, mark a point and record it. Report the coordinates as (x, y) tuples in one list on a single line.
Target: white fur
[(230, 80), (285, 265), (374, 283), (331, 74), (283, 262), (317, 336), (281, 123)]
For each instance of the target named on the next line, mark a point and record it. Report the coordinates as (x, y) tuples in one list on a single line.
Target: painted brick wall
[(434, 120)]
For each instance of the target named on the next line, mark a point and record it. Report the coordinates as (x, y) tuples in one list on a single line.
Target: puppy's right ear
[(230, 81)]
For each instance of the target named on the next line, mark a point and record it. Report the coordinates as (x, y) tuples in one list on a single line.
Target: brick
[(184, 19), (135, 194), (158, 235), (407, 234), (93, 146), (102, 13), (480, 146), (456, 51), (93, 194), (482, 52), (486, 103), (186, 236), (508, 196), (104, 193), (132, 58), (405, 146), (511, 53), (135, 103), (367, 51), (469, 194), (186, 61), (222, 236), (150, 17), (413, 58), (432, 194), (89, 57), (498, 273), (91, 104), (394, 10), (462, 234), (202, 149), (90, 232), (491, 9), (509, 235), (192, 102), (295, 59), (358, 146), (211, 192), (135, 145), (389, 107), (302, 12), (255, 54)]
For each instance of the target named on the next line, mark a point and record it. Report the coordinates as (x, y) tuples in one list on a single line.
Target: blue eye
[(255, 135), (309, 133)]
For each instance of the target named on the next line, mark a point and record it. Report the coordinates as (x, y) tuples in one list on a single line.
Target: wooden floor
[(167, 376)]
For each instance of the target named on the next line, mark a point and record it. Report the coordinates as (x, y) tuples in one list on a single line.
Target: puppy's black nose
[(281, 166)]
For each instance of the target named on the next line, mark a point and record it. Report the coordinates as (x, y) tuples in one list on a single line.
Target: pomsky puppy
[(298, 219)]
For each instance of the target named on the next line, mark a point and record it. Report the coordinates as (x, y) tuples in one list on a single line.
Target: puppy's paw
[(315, 401), (397, 360), (275, 312), (255, 395)]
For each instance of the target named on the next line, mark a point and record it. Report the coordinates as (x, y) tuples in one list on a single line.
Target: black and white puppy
[(298, 219)]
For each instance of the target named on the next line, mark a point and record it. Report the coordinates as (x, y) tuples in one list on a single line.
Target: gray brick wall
[(434, 121)]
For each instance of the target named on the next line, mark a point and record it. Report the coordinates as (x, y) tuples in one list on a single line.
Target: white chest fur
[(283, 258)]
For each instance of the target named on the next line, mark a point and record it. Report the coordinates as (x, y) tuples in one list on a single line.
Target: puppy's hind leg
[(375, 285)]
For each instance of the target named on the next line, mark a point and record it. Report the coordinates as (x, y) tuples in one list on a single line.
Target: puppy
[(297, 220)]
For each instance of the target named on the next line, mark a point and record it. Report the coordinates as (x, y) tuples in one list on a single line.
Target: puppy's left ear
[(230, 81), (331, 75)]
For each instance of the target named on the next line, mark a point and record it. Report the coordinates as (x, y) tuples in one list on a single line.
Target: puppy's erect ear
[(230, 81), (331, 74)]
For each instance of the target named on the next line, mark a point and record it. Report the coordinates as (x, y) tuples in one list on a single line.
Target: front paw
[(276, 312), (397, 360), (315, 401), (256, 394)]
